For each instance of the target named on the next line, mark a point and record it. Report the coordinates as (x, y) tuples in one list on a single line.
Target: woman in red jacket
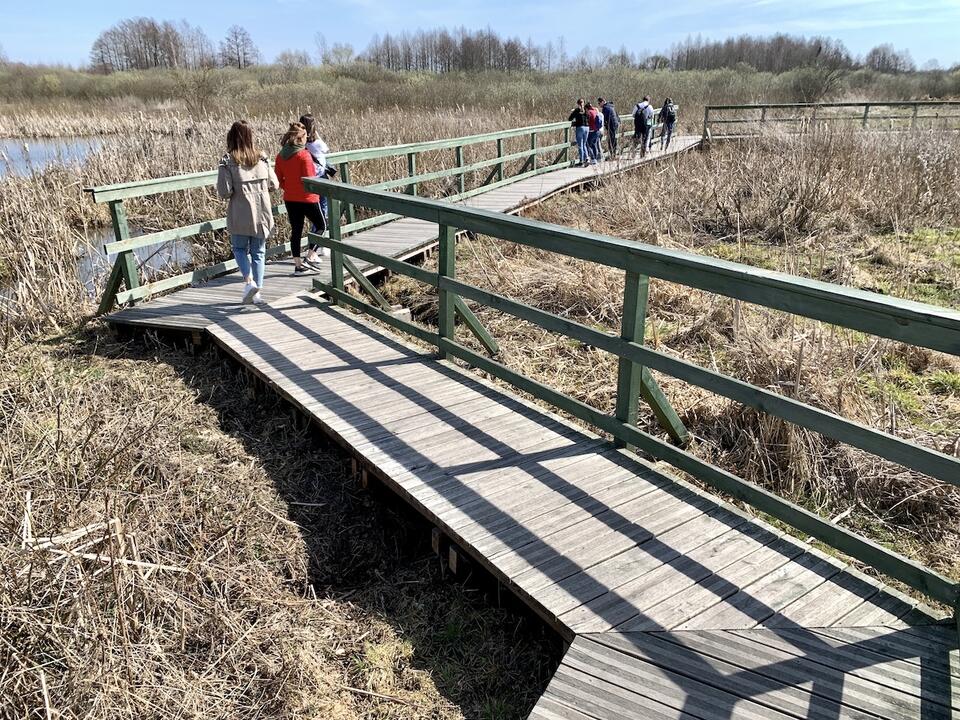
[(293, 163)]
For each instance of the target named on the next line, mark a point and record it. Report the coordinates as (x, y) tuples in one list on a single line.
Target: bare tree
[(144, 43), (237, 49), (3, 56), (884, 58)]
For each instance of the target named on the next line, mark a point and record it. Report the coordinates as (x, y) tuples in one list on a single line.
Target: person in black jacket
[(578, 118), (611, 121)]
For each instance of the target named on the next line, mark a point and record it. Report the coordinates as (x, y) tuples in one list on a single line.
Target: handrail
[(921, 324), (812, 113), (125, 270)]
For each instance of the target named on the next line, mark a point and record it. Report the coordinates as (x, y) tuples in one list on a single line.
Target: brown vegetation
[(174, 548), (825, 206)]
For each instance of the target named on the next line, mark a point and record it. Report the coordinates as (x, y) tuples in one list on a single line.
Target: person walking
[(594, 125), (244, 180), (318, 151), (293, 163), (668, 117), (578, 119), (611, 121), (642, 125)]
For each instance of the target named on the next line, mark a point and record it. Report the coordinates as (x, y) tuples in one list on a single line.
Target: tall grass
[(878, 212), (271, 89)]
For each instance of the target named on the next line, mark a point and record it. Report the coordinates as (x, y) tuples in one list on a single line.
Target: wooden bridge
[(674, 602)]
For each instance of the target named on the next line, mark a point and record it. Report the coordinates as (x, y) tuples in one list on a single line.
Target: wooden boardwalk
[(677, 604), (674, 603), (196, 307)]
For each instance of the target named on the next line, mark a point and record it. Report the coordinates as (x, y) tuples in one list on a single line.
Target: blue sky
[(64, 31)]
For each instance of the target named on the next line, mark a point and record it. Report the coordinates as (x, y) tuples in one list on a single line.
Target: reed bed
[(827, 206), (46, 219), (173, 547)]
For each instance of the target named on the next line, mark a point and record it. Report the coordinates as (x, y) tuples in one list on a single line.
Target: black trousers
[(296, 213)]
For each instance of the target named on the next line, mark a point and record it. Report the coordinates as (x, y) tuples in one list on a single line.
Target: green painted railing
[(738, 120), (558, 152), (902, 320)]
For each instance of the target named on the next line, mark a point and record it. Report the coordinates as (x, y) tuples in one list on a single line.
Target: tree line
[(145, 43)]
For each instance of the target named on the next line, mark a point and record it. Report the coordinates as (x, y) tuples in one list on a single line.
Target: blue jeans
[(249, 250), (582, 142), (323, 209), (593, 145)]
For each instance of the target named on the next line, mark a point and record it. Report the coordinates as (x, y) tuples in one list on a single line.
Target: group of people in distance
[(590, 122), (245, 178)]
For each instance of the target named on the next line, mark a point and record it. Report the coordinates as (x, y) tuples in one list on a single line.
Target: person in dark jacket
[(668, 116), (578, 118), (642, 125), (611, 121)]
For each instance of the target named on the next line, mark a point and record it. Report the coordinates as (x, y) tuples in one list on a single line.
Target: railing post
[(533, 147), (459, 155), (126, 258), (336, 257), (411, 172), (446, 266), (635, 290), (706, 121), (500, 155), (913, 118), (566, 139), (633, 379), (763, 114), (866, 111), (345, 177)]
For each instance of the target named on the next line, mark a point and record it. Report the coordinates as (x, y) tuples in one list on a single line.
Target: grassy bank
[(175, 548), (825, 207), (267, 90)]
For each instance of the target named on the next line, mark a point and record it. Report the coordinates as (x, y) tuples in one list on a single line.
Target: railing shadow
[(497, 450)]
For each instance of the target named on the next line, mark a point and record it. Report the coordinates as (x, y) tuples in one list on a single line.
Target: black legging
[(296, 213)]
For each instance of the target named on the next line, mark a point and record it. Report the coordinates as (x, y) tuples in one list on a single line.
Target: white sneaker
[(258, 299), (249, 291)]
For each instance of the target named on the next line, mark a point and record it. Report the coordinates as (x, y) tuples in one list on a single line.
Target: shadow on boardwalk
[(373, 557), (828, 676)]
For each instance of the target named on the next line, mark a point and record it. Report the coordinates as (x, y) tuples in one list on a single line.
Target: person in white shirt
[(318, 151)]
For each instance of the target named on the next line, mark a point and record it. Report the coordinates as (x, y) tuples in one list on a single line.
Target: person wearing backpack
[(595, 125), (642, 125), (611, 121), (668, 116), (578, 119)]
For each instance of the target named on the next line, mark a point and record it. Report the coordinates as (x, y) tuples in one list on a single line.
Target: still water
[(21, 156), (93, 265)]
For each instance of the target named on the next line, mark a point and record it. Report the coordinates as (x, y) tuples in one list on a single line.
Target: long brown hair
[(240, 144), (310, 125), (296, 135)]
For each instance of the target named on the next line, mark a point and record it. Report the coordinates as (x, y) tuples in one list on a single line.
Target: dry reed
[(807, 206), (173, 548)]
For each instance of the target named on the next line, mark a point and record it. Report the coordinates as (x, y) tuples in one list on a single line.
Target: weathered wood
[(472, 322), (446, 267)]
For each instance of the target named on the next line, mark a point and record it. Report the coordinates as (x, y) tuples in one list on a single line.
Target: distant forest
[(145, 43)]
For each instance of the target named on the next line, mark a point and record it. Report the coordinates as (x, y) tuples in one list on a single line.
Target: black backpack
[(671, 113)]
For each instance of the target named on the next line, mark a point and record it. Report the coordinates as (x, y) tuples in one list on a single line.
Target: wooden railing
[(125, 271), (888, 317), (721, 121)]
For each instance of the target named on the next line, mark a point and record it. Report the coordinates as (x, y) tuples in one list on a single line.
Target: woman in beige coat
[(245, 179)]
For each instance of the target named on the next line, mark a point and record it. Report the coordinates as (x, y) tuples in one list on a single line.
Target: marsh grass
[(46, 218), (827, 207), (174, 547)]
